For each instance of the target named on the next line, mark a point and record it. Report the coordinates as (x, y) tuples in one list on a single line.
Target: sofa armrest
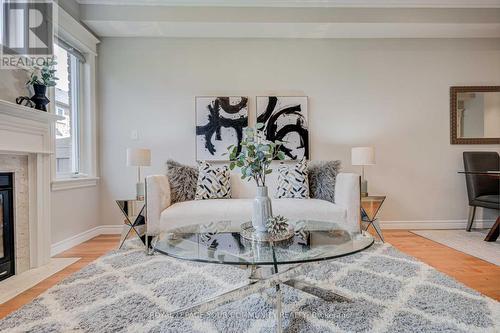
[(347, 195), (157, 200)]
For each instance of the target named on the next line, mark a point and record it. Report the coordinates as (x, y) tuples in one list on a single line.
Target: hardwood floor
[(471, 271), (88, 252)]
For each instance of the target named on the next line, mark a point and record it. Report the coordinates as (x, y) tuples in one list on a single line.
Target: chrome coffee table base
[(222, 242), (260, 279)]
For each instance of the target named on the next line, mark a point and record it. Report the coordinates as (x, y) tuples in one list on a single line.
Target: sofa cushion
[(204, 211), (293, 181), (213, 182), (182, 179)]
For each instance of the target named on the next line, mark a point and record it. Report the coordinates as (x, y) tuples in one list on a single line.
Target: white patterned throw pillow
[(293, 181), (213, 182)]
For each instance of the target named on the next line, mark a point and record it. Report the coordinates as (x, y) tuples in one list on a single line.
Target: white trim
[(77, 239), (25, 112), (72, 32), (72, 183), (308, 3), (434, 224), (171, 29), (28, 131)]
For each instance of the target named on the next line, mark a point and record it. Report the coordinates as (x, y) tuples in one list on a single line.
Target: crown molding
[(293, 30), (304, 3), (75, 33)]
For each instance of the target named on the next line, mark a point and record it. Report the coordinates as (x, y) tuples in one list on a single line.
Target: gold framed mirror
[(475, 115)]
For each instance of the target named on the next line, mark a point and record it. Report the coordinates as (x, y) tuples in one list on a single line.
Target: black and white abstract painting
[(219, 123), (285, 119)]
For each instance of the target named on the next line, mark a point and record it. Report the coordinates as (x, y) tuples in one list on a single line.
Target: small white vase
[(262, 209)]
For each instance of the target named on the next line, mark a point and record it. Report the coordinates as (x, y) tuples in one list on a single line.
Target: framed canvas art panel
[(219, 123), (285, 119)]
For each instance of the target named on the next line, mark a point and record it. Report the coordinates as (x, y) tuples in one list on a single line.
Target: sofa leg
[(472, 213)]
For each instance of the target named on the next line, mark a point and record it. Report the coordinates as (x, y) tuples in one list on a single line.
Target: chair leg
[(472, 213)]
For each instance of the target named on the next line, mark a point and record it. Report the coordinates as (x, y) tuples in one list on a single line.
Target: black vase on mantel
[(39, 98)]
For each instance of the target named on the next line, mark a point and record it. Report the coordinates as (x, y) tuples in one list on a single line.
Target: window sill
[(72, 183)]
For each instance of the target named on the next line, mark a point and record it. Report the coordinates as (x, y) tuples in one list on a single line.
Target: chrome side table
[(370, 206), (134, 221)]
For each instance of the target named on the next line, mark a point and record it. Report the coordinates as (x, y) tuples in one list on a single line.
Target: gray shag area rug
[(127, 291)]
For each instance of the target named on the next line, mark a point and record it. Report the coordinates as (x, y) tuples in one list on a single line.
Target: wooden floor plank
[(473, 272), (87, 251)]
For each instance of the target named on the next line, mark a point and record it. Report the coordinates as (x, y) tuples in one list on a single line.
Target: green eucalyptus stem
[(254, 155)]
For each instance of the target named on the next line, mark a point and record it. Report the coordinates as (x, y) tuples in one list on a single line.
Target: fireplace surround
[(26, 150)]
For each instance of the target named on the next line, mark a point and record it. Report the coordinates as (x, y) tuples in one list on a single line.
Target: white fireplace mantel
[(23, 129), (26, 131)]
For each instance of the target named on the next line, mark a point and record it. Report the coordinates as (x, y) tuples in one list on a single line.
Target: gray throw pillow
[(322, 175), (182, 179)]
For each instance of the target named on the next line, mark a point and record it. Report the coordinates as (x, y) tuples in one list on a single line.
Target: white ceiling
[(307, 3), (162, 18)]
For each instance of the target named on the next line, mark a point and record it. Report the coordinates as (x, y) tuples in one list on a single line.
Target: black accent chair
[(483, 191)]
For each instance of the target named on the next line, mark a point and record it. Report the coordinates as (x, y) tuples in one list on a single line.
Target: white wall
[(74, 211), (13, 84), (393, 94)]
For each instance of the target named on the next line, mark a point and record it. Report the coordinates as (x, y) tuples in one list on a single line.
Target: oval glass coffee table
[(270, 264)]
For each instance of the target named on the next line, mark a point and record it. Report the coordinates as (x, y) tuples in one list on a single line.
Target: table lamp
[(139, 157), (363, 156)]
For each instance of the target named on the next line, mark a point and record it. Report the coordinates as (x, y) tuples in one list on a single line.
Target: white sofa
[(162, 215)]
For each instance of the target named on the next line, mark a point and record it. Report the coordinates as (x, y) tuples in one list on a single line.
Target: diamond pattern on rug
[(406, 322), (375, 286), (174, 325), (154, 273), (443, 280), (440, 302), (401, 268), (86, 293), (236, 317), (127, 291), (188, 290), (86, 272), (356, 315), (117, 316), (31, 312)]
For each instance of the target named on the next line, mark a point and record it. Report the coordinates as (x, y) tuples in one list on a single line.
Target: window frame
[(77, 36), (76, 66)]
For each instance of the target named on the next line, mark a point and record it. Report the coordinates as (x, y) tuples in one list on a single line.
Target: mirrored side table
[(370, 206), (134, 220)]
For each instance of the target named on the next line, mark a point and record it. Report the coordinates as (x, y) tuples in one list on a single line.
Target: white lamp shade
[(363, 156), (138, 157)]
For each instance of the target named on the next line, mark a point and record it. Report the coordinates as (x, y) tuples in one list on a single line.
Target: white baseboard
[(434, 224), (72, 241)]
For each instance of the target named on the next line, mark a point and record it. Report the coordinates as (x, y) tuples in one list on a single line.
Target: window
[(68, 105), (74, 162)]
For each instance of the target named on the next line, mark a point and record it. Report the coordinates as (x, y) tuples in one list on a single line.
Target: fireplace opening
[(7, 256)]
